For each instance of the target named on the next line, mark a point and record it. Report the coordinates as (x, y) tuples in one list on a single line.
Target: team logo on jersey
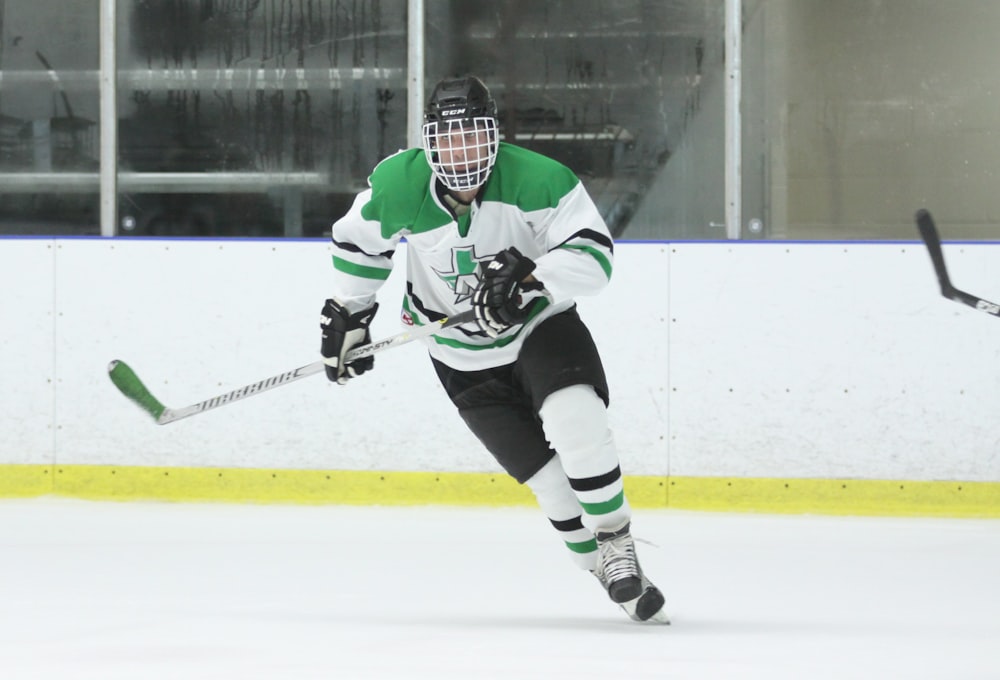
[(464, 275)]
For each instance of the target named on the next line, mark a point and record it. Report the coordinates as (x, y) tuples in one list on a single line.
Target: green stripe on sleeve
[(597, 255)]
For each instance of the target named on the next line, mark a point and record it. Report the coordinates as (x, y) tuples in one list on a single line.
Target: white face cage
[(461, 152)]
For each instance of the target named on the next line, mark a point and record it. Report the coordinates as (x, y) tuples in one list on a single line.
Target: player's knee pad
[(575, 422)]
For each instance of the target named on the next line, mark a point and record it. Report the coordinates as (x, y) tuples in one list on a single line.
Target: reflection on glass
[(49, 137), (280, 108), (621, 92), (264, 117)]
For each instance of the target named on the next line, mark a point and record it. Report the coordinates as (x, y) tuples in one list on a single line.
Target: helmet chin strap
[(458, 206)]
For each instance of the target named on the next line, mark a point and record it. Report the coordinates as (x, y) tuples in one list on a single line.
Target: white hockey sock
[(559, 503), (575, 422)]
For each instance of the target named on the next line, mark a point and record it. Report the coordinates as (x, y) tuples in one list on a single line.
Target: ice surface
[(147, 591)]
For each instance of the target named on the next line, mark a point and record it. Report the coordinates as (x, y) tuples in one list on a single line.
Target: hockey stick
[(129, 384), (929, 233)]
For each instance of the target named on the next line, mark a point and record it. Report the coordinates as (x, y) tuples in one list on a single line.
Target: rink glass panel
[(264, 117), (49, 131), (284, 106)]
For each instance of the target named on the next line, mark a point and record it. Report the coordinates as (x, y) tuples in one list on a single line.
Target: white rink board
[(829, 361), (198, 319), (734, 359), (27, 358)]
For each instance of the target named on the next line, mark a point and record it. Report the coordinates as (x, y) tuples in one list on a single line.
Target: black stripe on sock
[(599, 482), (567, 524)]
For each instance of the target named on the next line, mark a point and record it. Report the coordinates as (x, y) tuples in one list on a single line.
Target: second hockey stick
[(929, 233), (125, 379)]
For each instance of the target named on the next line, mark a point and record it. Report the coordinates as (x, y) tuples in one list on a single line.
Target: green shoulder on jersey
[(528, 180), (401, 198)]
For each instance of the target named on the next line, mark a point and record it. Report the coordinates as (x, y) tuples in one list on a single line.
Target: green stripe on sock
[(584, 547), (606, 506)]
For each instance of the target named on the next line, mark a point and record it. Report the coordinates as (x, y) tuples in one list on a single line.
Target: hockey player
[(514, 236)]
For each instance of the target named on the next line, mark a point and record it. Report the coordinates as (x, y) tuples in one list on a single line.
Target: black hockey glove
[(341, 332), (497, 299)]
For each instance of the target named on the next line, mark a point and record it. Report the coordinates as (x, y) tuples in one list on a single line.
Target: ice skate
[(619, 572)]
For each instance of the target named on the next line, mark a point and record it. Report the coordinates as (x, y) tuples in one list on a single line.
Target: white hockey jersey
[(530, 202)]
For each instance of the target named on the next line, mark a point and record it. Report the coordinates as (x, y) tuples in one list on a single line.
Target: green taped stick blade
[(129, 384)]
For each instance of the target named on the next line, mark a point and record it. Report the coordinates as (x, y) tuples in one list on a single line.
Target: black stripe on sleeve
[(591, 235)]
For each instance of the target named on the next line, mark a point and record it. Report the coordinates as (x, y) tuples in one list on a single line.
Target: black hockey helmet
[(460, 98)]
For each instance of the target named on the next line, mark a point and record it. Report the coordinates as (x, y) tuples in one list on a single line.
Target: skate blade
[(638, 609)]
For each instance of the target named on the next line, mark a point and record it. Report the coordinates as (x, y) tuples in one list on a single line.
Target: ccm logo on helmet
[(452, 112)]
